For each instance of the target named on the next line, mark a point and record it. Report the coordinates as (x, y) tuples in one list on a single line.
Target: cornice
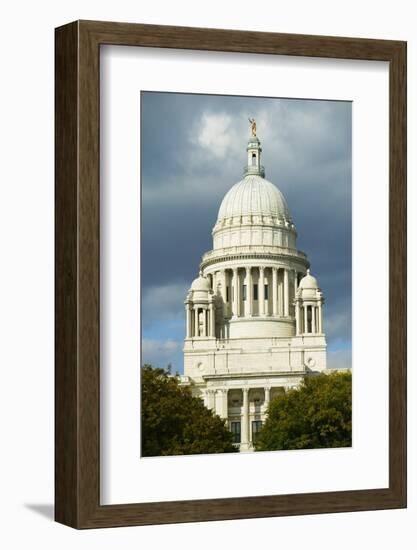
[(298, 257)]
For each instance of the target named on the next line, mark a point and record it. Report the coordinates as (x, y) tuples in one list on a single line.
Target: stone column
[(224, 408), (204, 322), (295, 282), (297, 318), (226, 306), (238, 291), (280, 299), (261, 290), (267, 397), (245, 418), (235, 293), (211, 398), (248, 308), (313, 319), (274, 291), (188, 315), (305, 319), (212, 333), (286, 294), (320, 319), (196, 331), (222, 280)]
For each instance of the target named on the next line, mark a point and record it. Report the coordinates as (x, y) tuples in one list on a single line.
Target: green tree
[(176, 423), (316, 415)]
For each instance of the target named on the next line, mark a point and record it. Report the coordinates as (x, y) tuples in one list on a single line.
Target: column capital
[(245, 389), (262, 268), (247, 269)]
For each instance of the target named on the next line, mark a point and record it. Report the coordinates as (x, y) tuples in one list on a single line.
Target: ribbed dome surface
[(254, 195)]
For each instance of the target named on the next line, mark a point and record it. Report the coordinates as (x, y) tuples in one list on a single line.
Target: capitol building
[(254, 315)]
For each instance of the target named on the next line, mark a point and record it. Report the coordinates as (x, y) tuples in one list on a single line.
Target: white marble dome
[(254, 212), (254, 195)]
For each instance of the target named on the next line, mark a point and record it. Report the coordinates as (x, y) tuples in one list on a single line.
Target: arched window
[(253, 159)]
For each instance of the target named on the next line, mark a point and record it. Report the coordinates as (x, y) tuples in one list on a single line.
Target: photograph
[(246, 273)]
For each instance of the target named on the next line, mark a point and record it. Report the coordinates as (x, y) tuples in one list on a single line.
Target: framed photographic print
[(230, 274)]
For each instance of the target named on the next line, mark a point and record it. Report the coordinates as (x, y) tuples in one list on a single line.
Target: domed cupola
[(254, 166), (200, 288), (308, 287), (199, 306), (308, 304), (254, 212)]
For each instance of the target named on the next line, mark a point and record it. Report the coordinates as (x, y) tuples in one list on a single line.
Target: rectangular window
[(235, 429), (266, 294), (227, 294), (256, 428), (255, 291), (244, 292)]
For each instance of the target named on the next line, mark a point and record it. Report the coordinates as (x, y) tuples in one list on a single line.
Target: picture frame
[(77, 270)]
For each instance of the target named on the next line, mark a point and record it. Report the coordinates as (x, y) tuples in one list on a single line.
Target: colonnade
[(257, 290), (308, 318), (211, 397), (200, 320)]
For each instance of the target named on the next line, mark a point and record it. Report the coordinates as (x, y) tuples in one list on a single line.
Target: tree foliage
[(318, 414), (176, 423)]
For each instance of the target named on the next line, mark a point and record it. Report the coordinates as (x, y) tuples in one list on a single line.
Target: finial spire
[(254, 150)]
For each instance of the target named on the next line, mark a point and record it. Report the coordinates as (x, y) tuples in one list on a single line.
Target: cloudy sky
[(193, 149)]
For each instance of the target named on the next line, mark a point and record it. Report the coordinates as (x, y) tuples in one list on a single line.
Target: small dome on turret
[(201, 284), (308, 282), (308, 289)]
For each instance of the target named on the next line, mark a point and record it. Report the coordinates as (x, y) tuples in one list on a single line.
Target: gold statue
[(253, 126)]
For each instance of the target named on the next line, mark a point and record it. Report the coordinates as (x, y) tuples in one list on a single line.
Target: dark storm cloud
[(193, 151)]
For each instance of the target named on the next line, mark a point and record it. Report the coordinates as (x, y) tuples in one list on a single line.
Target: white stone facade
[(254, 316)]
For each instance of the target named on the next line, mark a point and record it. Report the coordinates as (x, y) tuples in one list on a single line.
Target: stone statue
[(253, 126)]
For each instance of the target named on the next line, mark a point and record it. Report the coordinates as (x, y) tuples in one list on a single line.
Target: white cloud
[(215, 134), (159, 353), (165, 301), (341, 359)]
